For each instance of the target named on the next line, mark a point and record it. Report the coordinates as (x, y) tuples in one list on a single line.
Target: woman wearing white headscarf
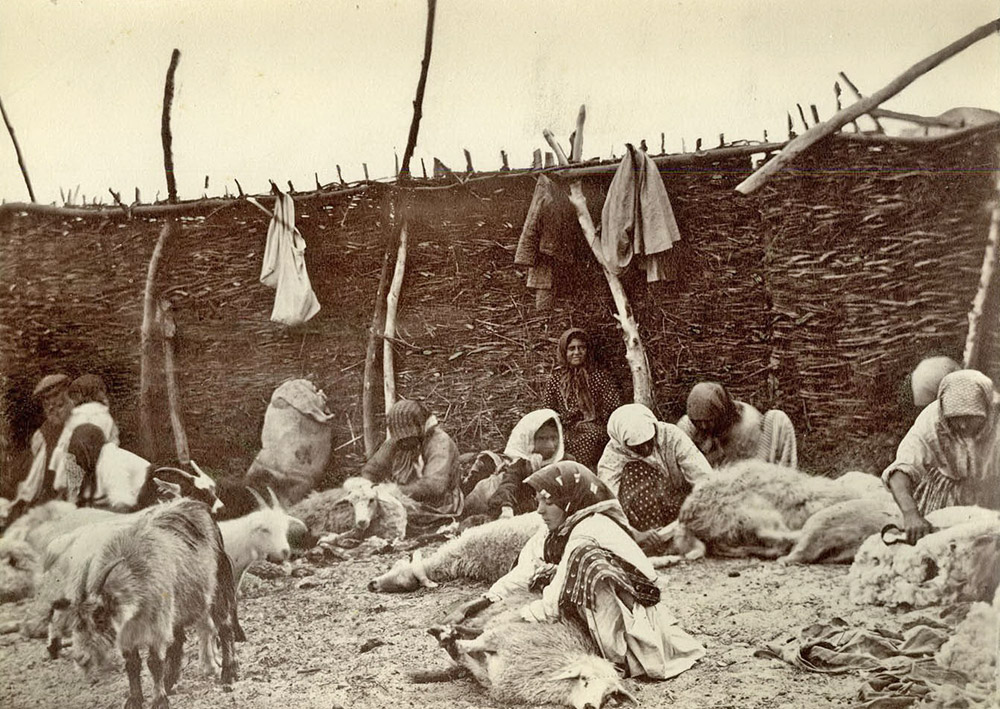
[(650, 465), (951, 454), (534, 442)]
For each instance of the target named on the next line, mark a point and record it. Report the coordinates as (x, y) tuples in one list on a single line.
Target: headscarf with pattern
[(407, 422), (966, 392), (574, 384), (709, 401), (580, 494)]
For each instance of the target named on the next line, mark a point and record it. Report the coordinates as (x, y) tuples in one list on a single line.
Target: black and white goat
[(151, 581)]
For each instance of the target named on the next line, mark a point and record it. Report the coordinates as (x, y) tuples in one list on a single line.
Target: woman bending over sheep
[(650, 465), (536, 441), (726, 430), (951, 454), (422, 460), (600, 578)]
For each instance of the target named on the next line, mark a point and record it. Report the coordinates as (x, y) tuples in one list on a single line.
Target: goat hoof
[(161, 703), (229, 675), (133, 703)]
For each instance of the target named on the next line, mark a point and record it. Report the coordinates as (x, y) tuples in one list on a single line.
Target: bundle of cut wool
[(960, 562)]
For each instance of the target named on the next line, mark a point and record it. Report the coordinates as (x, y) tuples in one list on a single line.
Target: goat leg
[(133, 668), (175, 653), (155, 664), (230, 668)]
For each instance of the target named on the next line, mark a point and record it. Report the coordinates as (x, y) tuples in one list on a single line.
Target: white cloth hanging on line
[(284, 267)]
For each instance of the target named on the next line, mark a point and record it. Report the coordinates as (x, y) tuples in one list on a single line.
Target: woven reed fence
[(816, 294)]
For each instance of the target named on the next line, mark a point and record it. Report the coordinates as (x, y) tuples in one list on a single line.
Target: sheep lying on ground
[(960, 562), (17, 570), (754, 508), (358, 506), (483, 553), (23, 529), (536, 663), (834, 534)]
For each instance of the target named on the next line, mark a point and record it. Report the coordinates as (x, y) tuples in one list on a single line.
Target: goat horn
[(275, 502), (260, 500), (105, 572), (196, 468)]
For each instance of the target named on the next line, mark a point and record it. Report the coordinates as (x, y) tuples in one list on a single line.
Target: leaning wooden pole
[(635, 353), (375, 331), (167, 328), (822, 130), (17, 151), (391, 305), (984, 319), (418, 102)]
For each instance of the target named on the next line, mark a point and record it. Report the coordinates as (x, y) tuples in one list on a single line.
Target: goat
[(753, 508), (483, 553), (258, 535), (155, 578), (535, 663)]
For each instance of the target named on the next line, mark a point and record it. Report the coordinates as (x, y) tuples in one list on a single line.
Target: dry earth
[(336, 644)]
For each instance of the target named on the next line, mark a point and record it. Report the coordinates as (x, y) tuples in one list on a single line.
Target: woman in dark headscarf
[(422, 459), (583, 395), (596, 576), (726, 430), (951, 454)]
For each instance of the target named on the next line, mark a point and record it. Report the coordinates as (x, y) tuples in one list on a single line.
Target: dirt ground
[(324, 641)]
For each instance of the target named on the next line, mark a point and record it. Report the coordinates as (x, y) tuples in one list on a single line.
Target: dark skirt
[(650, 499)]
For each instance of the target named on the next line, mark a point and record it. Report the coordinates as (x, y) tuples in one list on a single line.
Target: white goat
[(483, 553), (258, 535)]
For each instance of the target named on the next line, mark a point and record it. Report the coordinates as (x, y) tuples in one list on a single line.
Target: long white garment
[(120, 476), (92, 412), (284, 267)]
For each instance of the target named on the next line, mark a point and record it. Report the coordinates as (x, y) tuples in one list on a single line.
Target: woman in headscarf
[(583, 395), (951, 455), (422, 460), (535, 441), (594, 574), (727, 430), (650, 465)]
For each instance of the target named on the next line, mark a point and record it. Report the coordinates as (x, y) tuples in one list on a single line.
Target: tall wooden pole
[(17, 151), (418, 102), (822, 130), (984, 317), (391, 305), (168, 99), (635, 353)]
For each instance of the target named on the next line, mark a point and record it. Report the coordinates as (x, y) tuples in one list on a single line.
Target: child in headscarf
[(650, 465), (602, 579), (422, 459), (951, 455), (535, 441), (583, 395), (727, 430)]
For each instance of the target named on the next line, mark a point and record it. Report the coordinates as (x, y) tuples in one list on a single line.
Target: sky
[(286, 89)]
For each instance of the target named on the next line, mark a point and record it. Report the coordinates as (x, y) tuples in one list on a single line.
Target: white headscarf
[(521, 443)]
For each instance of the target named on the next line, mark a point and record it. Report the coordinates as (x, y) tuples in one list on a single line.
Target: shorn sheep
[(753, 508), (959, 562), (17, 570), (834, 534), (359, 506), (536, 663), (483, 553), (151, 580)]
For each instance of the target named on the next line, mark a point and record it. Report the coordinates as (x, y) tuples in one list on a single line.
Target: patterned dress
[(585, 439), (650, 500)]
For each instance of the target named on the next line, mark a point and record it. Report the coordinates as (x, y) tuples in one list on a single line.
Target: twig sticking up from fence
[(663, 143), (418, 102), (802, 116), (503, 158), (791, 126), (859, 96), (985, 303), (238, 187), (365, 166), (635, 354), (468, 161), (836, 93), (17, 151), (340, 177), (391, 304), (423, 167), (168, 99), (536, 159), (822, 130), (815, 113)]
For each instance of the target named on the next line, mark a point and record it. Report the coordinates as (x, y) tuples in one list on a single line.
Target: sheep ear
[(261, 504), (169, 490), (566, 673)]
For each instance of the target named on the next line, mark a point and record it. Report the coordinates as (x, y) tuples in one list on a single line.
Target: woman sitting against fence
[(536, 441), (583, 395), (727, 430), (650, 465), (951, 454), (422, 460), (593, 573)]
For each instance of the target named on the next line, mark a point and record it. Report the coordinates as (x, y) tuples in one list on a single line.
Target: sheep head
[(363, 496), (591, 682), (405, 575)]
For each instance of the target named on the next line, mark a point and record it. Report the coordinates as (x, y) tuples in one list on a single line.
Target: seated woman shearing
[(594, 574), (535, 441)]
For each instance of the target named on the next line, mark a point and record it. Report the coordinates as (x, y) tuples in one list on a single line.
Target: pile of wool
[(959, 562), (17, 570)]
